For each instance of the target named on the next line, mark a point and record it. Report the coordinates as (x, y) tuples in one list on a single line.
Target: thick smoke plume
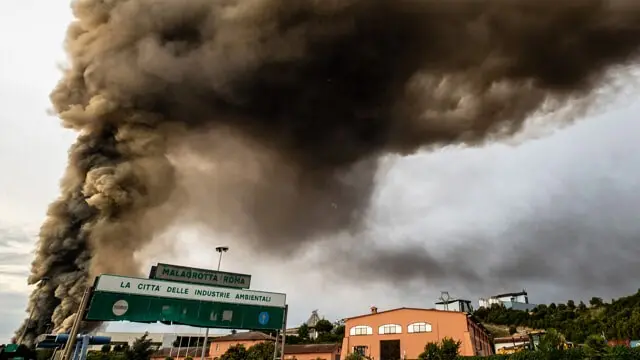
[(295, 98)]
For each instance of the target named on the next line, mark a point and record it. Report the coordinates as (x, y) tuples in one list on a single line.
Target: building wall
[(314, 356), (480, 339), (507, 301), (459, 305), (442, 324), (218, 348), (518, 299)]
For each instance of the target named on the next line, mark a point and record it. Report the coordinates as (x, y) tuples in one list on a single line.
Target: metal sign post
[(69, 347), (284, 331), (275, 345)]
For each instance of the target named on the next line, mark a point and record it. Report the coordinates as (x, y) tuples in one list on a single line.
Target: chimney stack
[(374, 310)]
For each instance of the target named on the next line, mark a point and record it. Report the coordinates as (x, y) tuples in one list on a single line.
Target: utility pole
[(221, 250), (42, 282)]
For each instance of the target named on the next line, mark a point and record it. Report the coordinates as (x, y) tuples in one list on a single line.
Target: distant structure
[(515, 301), (158, 340), (447, 303), (459, 305), (311, 323)]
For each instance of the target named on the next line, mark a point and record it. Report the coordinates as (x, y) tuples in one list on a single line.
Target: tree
[(106, 348), (324, 326), (141, 349), (596, 301), (303, 332), (447, 349), (551, 341), (237, 352), (118, 348), (595, 347), (571, 305), (354, 356), (431, 352), (261, 351), (618, 319), (513, 329)]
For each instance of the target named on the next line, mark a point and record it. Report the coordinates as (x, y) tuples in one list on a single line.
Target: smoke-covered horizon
[(267, 117)]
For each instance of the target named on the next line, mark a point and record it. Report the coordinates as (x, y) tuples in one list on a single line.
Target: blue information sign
[(263, 318)]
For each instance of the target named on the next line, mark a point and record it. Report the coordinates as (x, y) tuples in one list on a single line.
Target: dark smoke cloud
[(312, 91), (564, 227)]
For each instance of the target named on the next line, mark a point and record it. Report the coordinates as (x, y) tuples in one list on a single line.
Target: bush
[(606, 353), (447, 349)]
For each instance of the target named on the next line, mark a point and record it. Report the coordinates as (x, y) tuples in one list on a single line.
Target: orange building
[(403, 333), (312, 352), (220, 345)]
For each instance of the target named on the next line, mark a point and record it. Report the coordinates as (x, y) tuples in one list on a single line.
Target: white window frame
[(364, 349), (360, 330), (384, 329), (411, 328)]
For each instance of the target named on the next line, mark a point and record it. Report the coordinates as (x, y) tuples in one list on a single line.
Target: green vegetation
[(447, 349), (550, 349), (328, 333), (262, 351), (142, 349), (619, 319), (610, 353), (356, 356)]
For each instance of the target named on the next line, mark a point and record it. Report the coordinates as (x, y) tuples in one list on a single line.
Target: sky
[(556, 215)]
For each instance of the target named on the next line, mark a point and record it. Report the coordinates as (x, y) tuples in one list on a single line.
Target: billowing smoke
[(282, 108)]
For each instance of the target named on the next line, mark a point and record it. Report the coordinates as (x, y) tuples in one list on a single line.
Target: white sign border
[(112, 284)]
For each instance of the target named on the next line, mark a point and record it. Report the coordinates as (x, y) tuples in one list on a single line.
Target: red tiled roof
[(245, 336), (311, 348), (404, 308)]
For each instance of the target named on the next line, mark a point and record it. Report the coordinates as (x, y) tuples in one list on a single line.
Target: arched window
[(419, 327), (390, 329), (361, 330)]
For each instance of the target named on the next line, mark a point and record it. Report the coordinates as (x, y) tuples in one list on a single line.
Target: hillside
[(619, 319)]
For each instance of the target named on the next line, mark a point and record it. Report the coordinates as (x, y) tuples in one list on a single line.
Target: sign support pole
[(275, 346), (68, 349), (204, 343), (284, 330)]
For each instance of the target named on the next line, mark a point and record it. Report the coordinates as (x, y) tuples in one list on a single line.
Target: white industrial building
[(516, 301), (458, 305), (161, 340)]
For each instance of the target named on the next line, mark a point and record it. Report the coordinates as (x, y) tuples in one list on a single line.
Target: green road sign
[(118, 298), (200, 276)]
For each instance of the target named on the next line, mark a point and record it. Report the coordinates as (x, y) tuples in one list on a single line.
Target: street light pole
[(221, 250)]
